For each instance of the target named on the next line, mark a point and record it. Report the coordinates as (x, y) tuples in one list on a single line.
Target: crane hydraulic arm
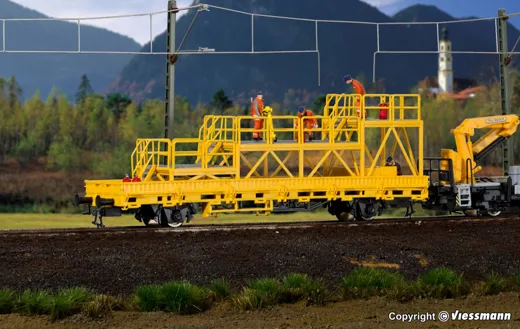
[(500, 128)]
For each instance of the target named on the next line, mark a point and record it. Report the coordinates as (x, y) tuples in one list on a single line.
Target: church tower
[(445, 64)]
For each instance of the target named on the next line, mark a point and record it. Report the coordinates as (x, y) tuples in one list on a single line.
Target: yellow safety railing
[(221, 137), (270, 127), (340, 105), (406, 107), (216, 129), (400, 106), (177, 153), (219, 128), (149, 154)]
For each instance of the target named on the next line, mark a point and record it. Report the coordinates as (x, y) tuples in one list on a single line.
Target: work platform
[(223, 165)]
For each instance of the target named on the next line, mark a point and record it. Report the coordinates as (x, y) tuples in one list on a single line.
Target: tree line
[(98, 133)]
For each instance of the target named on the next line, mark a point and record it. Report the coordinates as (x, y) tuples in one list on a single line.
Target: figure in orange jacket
[(126, 179), (257, 107), (309, 121), (360, 90)]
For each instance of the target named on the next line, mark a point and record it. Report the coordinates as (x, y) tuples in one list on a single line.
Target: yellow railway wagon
[(224, 170)]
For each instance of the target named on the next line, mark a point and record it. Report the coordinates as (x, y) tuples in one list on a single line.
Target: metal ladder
[(464, 195)]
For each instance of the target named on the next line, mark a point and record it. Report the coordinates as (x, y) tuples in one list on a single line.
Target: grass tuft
[(269, 289), (37, 302), (175, 297), (7, 301), (149, 298), (249, 299), (440, 283), (293, 286), (68, 302), (100, 306), (297, 286), (494, 284), (129, 304), (184, 298), (260, 293), (366, 282), (220, 289), (316, 292)]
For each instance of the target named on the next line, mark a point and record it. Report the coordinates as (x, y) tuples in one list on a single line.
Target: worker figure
[(359, 89), (257, 106), (136, 179), (390, 162), (309, 122), (126, 179)]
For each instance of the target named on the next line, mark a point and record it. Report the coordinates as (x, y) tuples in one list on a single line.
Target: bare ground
[(372, 313), (116, 262)]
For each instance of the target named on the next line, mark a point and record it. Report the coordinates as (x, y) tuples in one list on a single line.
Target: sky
[(138, 28)]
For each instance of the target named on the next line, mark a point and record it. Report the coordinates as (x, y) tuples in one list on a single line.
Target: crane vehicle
[(347, 175), (454, 186)]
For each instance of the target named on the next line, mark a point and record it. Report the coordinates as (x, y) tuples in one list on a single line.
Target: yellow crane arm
[(500, 128)]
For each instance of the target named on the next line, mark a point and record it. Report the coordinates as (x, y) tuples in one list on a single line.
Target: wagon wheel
[(360, 216), (176, 220), (492, 213), (344, 216), (364, 218)]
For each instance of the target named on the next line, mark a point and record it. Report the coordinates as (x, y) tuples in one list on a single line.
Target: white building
[(445, 74)]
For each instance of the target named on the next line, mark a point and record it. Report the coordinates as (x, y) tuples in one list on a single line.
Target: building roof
[(444, 34), (466, 93), (462, 88), (459, 84)]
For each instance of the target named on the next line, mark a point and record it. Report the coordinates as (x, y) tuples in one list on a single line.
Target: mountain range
[(292, 78), (288, 78), (63, 71)]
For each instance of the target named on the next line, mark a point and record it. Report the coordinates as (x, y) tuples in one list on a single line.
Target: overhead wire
[(201, 7)]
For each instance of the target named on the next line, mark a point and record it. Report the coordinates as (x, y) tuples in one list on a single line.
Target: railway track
[(258, 226)]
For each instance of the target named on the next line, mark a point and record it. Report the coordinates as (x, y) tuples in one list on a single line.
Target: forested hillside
[(45, 71), (50, 146)]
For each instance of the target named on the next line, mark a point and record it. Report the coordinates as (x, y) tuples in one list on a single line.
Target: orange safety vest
[(308, 118), (358, 87), (257, 107)]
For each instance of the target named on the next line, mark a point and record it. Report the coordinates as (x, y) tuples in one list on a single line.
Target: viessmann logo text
[(497, 120), (444, 316), (482, 316)]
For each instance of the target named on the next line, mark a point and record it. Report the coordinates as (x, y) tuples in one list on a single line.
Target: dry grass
[(43, 221)]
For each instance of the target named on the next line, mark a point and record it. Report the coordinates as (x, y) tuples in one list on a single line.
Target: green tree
[(319, 103), (220, 101), (14, 92), (117, 103), (65, 155), (84, 90)]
